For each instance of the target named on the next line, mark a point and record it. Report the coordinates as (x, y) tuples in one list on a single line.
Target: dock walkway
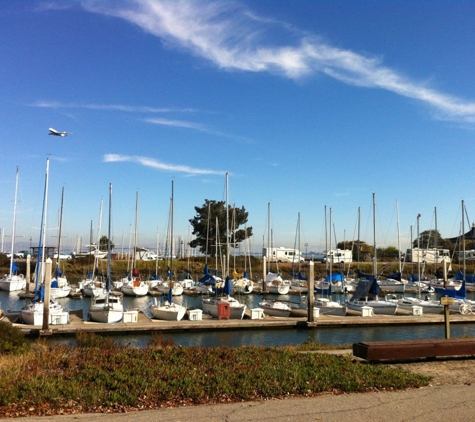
[(297, 320)]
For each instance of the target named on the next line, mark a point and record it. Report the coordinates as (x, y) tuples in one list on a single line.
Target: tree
[(365, 250), (103, 244), (428, 239), (205, 227)]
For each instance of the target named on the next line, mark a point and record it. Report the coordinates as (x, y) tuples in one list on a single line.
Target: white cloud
[(112, 107), (177, 123), (153, 163), (233, 38)]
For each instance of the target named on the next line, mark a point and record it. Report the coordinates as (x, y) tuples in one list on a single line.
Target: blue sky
[(307, 105)]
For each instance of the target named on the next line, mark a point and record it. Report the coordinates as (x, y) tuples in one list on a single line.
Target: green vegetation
[(99, 375), (12, 340), (209, 227)]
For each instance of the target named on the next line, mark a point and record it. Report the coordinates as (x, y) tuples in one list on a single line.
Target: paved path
[(431, 404)]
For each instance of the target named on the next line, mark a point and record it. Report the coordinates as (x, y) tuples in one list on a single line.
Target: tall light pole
[(306, 251)]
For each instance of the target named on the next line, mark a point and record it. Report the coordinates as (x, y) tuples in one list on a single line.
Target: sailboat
[(59, 284), (298, 282), (12, 281), (32, 311), (366, 292), (135, 286), (325, 303), (167, 310), (241, 282), (107, 309), (211, 304), (274, 282), (170, 283), (91, 286)]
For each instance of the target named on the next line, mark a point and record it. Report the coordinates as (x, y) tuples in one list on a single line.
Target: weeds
[(98, 375), (12, 339)]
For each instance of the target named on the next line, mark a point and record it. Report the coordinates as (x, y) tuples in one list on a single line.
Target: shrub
[(85, 339), (12, 339), (158, 342)]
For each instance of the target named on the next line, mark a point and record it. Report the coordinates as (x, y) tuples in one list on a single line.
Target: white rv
[(282, 255), (469, 255), (341, 256), (428, 255)]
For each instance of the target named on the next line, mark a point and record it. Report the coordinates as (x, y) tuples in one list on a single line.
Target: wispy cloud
[(196, 126), (112, 107), (154, 163), (178, 123), (233, 37), (144, 110)]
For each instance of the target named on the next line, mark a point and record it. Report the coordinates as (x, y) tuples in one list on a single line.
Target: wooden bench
[(413, 349)]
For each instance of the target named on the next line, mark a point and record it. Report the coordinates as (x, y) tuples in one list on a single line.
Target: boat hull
[(210, 307), (379, 307), (168, 312), (12, 283)]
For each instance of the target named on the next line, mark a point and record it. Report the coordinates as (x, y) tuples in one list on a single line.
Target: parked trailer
[(428, 256), (282, 254), (338, 256)]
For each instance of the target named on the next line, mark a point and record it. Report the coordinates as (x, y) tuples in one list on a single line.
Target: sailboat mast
[(463, 239), (135, 229), (398, 239), (419, 255), (171, 231), (14, 223), (331, 255), (359, 238), (108, 281), (227, 226), (60, 225), (39, 266), (436, 244), (268, 232), (375, 261)]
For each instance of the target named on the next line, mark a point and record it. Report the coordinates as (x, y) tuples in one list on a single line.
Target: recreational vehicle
[(342, 256), (282, 255), (428, 256), (469, 255)]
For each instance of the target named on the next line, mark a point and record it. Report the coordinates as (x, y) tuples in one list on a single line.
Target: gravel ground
[(449, 371)]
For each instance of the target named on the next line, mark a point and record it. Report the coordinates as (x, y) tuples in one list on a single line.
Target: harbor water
[(253, 337)]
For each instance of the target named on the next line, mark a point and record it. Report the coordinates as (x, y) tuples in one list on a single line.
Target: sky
[(312, 107)]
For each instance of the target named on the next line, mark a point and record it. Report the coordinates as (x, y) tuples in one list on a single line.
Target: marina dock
[(298, 319)]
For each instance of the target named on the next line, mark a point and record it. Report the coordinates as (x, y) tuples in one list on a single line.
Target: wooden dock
[(298, 319)]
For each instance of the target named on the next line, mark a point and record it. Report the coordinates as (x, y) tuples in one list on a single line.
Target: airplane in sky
[(57, 133)]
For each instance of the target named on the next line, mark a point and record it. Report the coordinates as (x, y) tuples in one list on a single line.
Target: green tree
[(428, 239), (209, 224), (390, 252), (103, 241), (365, 250)]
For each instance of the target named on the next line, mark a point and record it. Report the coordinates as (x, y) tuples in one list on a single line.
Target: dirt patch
[(449, 371)]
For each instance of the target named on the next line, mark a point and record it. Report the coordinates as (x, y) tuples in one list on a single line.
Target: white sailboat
[(135, 286), (33, 310), (274, 283), (12, 281), (167, 309), (108, 309), (60, 286), (366, 292), (91, 286), (275, 308)]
